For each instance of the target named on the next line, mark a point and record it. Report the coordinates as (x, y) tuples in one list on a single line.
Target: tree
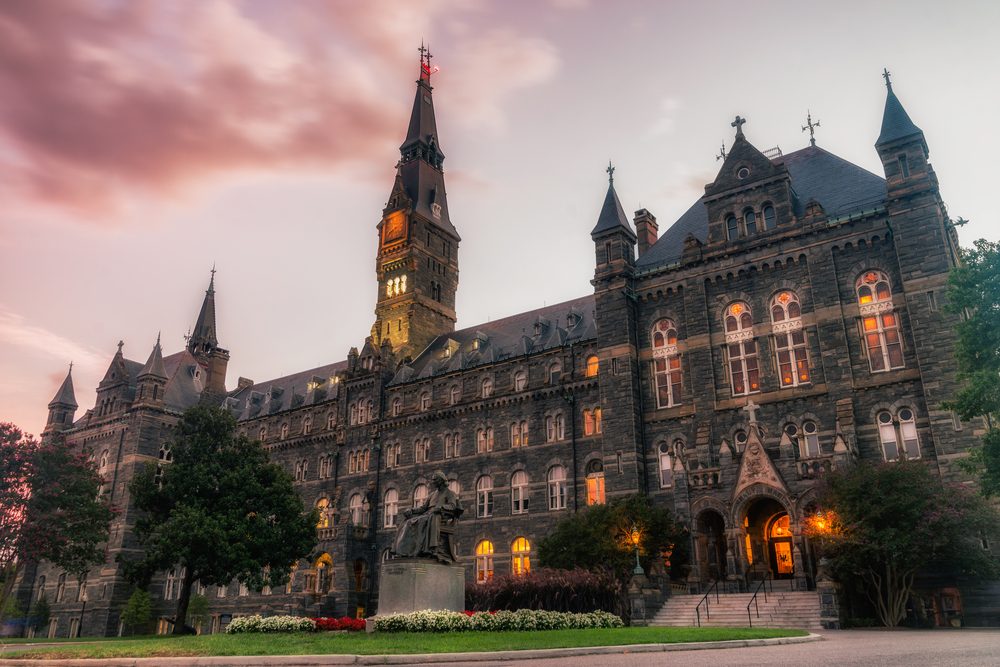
[(197, 610), (600, 536), (41, 614), (974, 293), (51, 508), (219, 511), (885, 521), (138, 609)]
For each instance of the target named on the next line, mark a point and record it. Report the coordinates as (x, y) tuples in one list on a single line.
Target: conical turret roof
[(203, 334), (896, 123), (612, 213), (65, 395), (154, 365)]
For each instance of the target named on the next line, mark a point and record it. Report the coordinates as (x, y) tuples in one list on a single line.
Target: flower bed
[(294, 624), (348, 624), (497, 621)]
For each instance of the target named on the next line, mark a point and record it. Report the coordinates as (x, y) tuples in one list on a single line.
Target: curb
[(405, 659)]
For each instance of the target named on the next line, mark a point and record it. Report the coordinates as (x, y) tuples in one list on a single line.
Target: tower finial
[(738, 124), (425, 61), (71, 366), (211, 282), (811, 127), (722, 153), (121, 344), (885, 75), (611, 173)]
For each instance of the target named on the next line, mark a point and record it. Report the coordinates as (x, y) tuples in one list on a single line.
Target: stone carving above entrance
[(757, 467)]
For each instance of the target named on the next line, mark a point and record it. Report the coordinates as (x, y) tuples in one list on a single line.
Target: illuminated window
[(484, 561), (425, 401), (742, 350), (484, 496), (811, 432), (666, 466), (789, 339), (391, 507), (456, 394), (515, 434), (595, 483), (419, 495), (484, 440), (592, 366), (769, 219), (557, 488), (487, 387), (879, 323), (520, 561), (597, 419), (588, 422), (519, 492), (666, 364), (324, 518), (520, 380)]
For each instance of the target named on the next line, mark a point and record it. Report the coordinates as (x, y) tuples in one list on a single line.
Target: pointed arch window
[(744, 374), (487, 387), (323, 505), (306, 425), (789, 339), (519, 492), (555, 427), (284, 431), (423, 451), (879, 322), (456, 395), (515, 434), (397, 406), (354, 415), (666, 364), (425, 401), (555, 373)]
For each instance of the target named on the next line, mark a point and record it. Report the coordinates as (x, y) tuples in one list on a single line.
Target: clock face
[(393, 228)]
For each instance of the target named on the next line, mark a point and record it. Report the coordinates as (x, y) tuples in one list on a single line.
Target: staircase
[(783, 609)]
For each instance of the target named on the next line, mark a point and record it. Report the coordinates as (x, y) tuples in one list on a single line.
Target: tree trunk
[(182, 602)]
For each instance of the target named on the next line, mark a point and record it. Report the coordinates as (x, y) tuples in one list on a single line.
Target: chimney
[(646, 229)]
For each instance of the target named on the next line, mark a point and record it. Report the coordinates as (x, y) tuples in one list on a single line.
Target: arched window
[(520, 380), (811, 431), (750, 222), (484, 561), (324, 518), (732, 228), (666, 364), (742, 350), (61, 588), (592, 366), (397, 406), (555, 428), (595, 482), (331, 420), (425, 401), (354, 415), (515, 434), (879, 323), (520, 562), (419, 495), (557, 488), (741, 440), (789, 339), (769, 219), (455, 486), (284, 431), (524, 433), (391, 507), (588, 422), (358, 517), (908, 431), (484, 496), (165, 455), (449, 446), (263, 433), (41, 588), (456, 394), (887, 433), (423, 451), (666, 466), (519, 492), (306, 425), (487, 387), (555, 373), (597, 419)]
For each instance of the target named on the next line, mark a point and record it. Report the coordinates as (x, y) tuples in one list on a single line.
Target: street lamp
[(635, 540)]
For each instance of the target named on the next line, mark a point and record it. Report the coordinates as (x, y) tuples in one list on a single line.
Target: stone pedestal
[(407, 585), (644, 600)]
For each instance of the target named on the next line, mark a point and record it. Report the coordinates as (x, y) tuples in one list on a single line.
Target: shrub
[(573, 591), (332, 624), (522, 620), (270, 624)]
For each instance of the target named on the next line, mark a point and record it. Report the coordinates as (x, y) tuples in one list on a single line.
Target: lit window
[(515, 434), (769, 219), (555, 372), (519, 492), (484, 440), (520, 380), (597, 419), (324, 517), (425, 401), (484, 561), (557, 488), (666, 364), (592, 366), (742, 349), (908, 429), (397, 407), (524, 433), (487, 387), (789, 339), (391, 507), (520, 562), (811, 439), (666, 466), (419, 495), (595, 483), (750, 222), (588, 422), (456, 394), (484, 496), (879, 322)]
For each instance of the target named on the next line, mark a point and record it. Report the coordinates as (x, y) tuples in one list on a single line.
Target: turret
[(151, 383), (203, 344), (902, 148), (62, 408)]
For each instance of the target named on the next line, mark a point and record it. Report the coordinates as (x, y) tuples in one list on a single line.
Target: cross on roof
[(611, 173), (425, 59), (752, 408), (722, 153), (885, 75), (121, 344), (738, 124), (811, 127), (71, 367)]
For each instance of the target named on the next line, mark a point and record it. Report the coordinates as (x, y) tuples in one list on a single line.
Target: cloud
[(28, 339), (664, 124)]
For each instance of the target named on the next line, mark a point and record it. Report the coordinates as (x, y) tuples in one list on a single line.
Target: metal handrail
[(753, 601), (715, 587)]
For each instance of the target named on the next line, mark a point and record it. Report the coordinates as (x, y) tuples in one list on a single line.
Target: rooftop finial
[(158, 338), (738, 124), (611, 173), (211, 283), (885, 75), (121, 344), (722, 153), (811, 127), (425, 61), (70, 366)]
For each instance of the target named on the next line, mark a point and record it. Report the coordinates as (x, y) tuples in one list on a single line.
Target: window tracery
[(666, 364), (789, 339), (879, 322), (742, 350)]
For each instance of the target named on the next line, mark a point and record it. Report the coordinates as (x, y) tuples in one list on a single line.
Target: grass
[(394, 643)]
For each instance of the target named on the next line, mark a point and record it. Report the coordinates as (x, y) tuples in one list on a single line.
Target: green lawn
[(387, 644)]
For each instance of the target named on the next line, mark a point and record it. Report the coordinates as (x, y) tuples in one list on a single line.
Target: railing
[(697, 611), (753, 601)]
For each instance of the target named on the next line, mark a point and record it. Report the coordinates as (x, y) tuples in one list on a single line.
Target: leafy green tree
[(13, 612), (974, 292), (220, 510), (197, 610), (51, 508), (601, 536), (41, 614), (138, 610), (885, 521)]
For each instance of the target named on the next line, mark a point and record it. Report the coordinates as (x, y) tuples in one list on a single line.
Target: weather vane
[(611, 173), (811, 127), (885, 75), (722, 153)]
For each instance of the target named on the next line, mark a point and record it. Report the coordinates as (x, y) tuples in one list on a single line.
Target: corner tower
[(417, 262), (203, 344)]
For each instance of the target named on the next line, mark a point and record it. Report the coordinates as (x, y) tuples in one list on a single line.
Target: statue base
[(407, 585)]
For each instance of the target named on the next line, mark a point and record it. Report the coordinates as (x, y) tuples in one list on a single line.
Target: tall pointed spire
[(154, 365), (65, 396), (612, 213), (203, 338), (896, 123)]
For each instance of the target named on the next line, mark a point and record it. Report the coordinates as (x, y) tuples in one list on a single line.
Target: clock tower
[(417, 262)]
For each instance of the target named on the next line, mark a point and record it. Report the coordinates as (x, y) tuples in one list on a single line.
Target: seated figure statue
[(421, 533)]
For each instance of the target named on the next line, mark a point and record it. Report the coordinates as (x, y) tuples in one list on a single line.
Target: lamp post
[(635, 540)]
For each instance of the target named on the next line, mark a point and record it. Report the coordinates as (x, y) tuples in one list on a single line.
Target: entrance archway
[(769, 540)]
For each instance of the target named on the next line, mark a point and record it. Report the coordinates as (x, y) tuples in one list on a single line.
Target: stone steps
[(788, 609)]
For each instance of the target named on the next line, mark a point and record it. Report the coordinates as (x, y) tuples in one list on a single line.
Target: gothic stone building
[(788, 323)]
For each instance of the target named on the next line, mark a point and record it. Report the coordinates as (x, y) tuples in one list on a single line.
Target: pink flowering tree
[(51, 508), (883, 522)]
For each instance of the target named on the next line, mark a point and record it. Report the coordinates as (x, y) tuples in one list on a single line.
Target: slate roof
[(284, 393), (154, 365), (896, 123), (612, 213), (841, 188), (504, 339), (185, 385), (65, 395)]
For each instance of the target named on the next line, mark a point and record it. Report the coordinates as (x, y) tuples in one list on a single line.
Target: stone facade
[(787, 324)]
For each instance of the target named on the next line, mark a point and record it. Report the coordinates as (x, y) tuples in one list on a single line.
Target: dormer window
[(447, 352), (538, 329), (570, 320), (475, 344)]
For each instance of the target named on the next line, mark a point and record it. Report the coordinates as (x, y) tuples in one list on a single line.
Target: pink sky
[(142, 142)]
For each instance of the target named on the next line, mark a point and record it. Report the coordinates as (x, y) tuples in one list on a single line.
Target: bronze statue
[(429, 530)]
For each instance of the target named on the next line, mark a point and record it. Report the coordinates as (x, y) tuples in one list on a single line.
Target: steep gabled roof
[(612, 214), (896, 123)]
